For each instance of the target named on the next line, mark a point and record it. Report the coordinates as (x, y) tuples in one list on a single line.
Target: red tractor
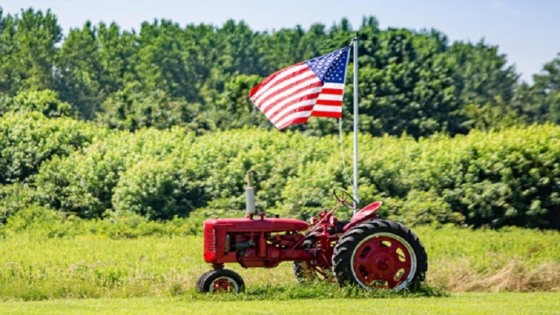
[(365, 251)]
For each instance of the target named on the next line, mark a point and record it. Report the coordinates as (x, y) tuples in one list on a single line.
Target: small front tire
[(221, 280)]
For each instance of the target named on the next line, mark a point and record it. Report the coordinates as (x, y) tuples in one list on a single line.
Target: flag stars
[(330, 67), (326, 66)]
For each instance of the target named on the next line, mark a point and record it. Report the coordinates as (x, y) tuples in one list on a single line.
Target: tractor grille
[(209, 243)]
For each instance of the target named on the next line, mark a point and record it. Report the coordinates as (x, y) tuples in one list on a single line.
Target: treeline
[(483, 179), (199, 76)]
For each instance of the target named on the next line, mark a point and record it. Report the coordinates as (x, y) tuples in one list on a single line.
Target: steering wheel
[(345, 198)]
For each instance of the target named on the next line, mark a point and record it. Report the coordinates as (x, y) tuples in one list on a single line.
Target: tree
[(133, 108), (28, 51), (402, 88), (484, 84), (233, 109), (93, 63), (547, 87), (164, 60), (79, 69)]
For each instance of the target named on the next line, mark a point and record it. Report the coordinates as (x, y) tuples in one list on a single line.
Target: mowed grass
[(465, 303), (94, 266)]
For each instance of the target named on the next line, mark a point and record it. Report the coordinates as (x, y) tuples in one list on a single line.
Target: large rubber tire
[(380, 254), (221, 280)]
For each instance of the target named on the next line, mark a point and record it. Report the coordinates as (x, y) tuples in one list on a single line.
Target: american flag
[(311, 88)]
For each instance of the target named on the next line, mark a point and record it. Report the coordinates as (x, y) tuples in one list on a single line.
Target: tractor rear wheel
[(380, 254), (221, 280)]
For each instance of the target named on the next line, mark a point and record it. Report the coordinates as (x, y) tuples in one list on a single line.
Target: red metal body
[(253, 242), (266, 242)]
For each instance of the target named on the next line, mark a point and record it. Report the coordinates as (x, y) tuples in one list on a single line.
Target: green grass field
[(94, 266), (464, 303)]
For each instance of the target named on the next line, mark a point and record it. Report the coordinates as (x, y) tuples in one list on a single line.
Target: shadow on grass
[(312, 290)]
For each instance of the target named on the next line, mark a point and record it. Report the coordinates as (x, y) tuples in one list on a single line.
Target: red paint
[(382, 259), (223, 285), (367, 213), (258, 225)]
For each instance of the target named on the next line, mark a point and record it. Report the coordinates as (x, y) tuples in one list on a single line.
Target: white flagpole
[(357, 200)]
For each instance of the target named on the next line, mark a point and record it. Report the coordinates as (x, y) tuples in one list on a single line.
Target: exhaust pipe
[(250, 195)]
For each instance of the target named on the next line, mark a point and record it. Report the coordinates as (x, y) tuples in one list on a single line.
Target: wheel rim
[(383, 260), (224, 284)]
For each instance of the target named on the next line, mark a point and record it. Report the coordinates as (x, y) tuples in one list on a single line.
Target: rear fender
[(369, 212)]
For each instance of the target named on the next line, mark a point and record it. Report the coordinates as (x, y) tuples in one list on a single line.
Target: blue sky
[(528, 32)]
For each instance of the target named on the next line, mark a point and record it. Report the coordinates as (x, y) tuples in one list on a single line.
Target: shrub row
[(510, 177), (29, 139)]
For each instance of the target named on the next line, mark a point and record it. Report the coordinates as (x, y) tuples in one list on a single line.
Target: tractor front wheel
[(304, 270), (380, 254), (221, 280)]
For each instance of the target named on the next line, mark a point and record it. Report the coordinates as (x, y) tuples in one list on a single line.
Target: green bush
[(499, 178), (46, 102), (14, 198), (159, 189), (84, 182), (29, 139), (277, 157), (39, 221)]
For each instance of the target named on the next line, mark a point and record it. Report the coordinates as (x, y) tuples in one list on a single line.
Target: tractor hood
[(257, 224)]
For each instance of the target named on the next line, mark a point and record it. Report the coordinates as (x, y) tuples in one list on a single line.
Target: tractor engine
[(263, 242)]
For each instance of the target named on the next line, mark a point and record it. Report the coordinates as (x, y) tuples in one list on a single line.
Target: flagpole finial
[(354, 39)]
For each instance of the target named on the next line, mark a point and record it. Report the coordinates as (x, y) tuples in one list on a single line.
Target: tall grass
[(509, 259), (460, 260)]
